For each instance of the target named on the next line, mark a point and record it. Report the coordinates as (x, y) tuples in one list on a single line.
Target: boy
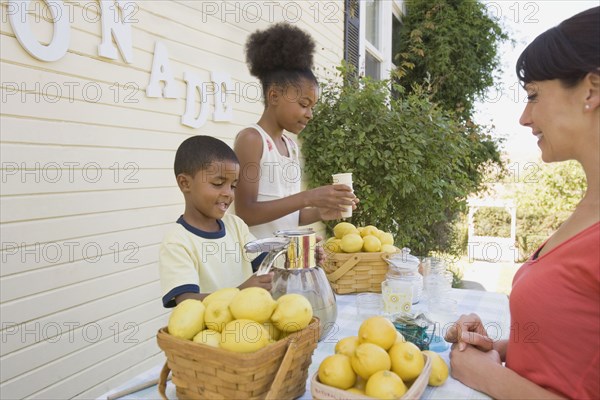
[(203, 251)]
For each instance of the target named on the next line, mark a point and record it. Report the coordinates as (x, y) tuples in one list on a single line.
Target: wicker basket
[(320, 391), (356, 272), (205, 372)]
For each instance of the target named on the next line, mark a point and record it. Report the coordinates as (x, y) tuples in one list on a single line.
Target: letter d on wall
[(59, 44)]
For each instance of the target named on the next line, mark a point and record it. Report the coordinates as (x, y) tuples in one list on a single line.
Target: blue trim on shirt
[(169, 298), (203, 234), (257, 261)]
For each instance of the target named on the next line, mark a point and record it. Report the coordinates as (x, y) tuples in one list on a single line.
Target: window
[(378, 24)]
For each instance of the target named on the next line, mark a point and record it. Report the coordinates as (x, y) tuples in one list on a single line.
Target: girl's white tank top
[(278, 177)]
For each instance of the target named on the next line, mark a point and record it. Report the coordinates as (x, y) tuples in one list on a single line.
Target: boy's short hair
[(199, 152)]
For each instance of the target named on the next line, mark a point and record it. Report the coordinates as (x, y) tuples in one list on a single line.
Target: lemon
[(369, 358), (439, 369), (356, 390), (336, 371), (351, 243), (385, 237), (253, 303), (371, 244), (379, 331), (293, 312), (389, 248), (186, 319), (399, 337), (360, 230), (274, 333), (344, 228), (244, 336), (407, 360), (208, 337), (369, 230), (217, 315), (347, 345), (360, 383), (385, 385), (221, 294), (332, 245)]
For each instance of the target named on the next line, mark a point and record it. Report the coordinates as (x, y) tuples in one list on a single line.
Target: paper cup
[(344, 179)]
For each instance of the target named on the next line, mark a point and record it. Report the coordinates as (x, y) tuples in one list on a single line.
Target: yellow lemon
[(371, 244), (344, 228), (253, 303), (407, 360), (399, 337), (385, 237), (347, 345), (217, 315), (360, 383), (389, 248), (369, 230), (360, 229), (351, 243), (225, 294), (293, 312), (369, 358), (378, 330), (385, 385), (336, 371), (244, 336), (332, 245), (186, 319), (274, 332), (208, 337), (439, 369)]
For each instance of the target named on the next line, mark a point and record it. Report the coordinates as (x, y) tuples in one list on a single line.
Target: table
[(491, 307)]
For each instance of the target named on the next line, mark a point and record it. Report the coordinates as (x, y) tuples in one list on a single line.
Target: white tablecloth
[(491, 307)]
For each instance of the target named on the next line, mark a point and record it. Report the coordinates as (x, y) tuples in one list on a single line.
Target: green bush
[(413, 164)]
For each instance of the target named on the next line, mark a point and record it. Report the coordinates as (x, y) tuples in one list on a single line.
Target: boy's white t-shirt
[(278, 177), (194, 261)]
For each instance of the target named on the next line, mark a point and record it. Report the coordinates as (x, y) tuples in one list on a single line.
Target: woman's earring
[(587, 107)]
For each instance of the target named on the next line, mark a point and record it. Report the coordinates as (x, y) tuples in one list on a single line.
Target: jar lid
[(404, 260)]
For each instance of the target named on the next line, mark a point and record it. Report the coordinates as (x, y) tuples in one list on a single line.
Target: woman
[(553, 350)]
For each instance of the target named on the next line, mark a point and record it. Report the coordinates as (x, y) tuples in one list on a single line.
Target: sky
[(523, 21)]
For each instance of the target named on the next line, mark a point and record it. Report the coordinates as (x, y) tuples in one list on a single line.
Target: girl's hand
[(472, 366), (334, 197)]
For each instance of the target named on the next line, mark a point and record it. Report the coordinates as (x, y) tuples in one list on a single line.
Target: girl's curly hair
[(280, 55)]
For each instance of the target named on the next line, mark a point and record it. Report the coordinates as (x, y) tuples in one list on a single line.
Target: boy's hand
[(320, 255), (263, 281)]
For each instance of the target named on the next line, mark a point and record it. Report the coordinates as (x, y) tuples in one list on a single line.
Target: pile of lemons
[(243, 321), (351, 239), (378, 362)]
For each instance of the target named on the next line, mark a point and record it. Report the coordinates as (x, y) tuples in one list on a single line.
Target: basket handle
[(273, 393), (162, 381), (345, 267)]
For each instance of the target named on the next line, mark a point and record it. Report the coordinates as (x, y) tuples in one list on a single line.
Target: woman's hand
[(469, 330), (472, 366)]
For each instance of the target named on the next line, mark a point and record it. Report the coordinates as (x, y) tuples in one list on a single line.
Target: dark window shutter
[(351, 32)]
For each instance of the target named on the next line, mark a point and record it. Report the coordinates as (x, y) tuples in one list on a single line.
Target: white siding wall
[(88, 187)]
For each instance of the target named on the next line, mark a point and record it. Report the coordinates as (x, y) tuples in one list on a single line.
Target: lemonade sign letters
[(116, 19)]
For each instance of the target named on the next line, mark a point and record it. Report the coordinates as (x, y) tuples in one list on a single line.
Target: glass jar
[(437, 280), (404, 267)]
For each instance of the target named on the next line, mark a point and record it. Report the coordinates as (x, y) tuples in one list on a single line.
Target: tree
[(454, 43)]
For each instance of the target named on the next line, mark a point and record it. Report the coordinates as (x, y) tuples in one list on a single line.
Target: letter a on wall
[(161, 72)]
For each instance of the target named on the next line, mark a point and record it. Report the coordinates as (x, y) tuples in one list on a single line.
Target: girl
[(268, 195)]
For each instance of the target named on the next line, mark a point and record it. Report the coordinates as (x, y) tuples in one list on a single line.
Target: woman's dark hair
[(199, 152), (280, 55), (567, 52)]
